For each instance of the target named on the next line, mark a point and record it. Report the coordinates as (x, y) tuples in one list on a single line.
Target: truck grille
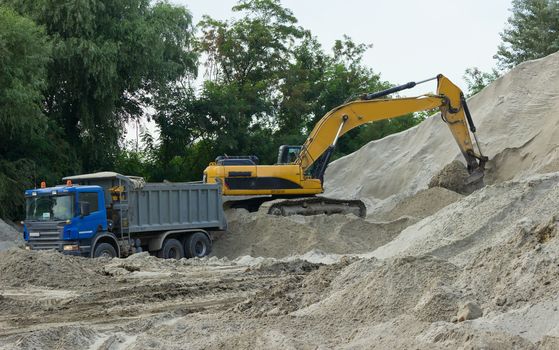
[(41, 239)]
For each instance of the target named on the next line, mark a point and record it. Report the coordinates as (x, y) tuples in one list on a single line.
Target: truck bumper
[(64, 247)]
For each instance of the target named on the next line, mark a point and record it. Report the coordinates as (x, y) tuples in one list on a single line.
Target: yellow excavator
[(299, 173)]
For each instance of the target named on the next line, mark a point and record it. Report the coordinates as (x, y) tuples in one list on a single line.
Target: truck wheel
[(197, 245), (104, 250), (172, 249)]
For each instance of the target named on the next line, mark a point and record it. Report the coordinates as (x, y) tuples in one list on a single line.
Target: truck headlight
[(71, 247)]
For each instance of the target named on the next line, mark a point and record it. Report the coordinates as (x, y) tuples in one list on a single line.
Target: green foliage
[(477, 80), (27, 137), (532, 32), (69, 84), (235, 110), (268, 81), (137, 162), (108, 57), (24, 53), (73, 73)]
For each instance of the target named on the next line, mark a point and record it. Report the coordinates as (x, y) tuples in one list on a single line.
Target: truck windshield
[(50, 208)]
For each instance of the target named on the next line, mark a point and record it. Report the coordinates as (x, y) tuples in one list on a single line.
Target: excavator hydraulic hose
[(378, 94)]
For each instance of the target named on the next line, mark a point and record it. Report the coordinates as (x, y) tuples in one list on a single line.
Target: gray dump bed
[(152, 207), (162, 206)]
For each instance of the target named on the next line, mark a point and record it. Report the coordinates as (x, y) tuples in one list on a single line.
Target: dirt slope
[(9, 237), (518, 127)]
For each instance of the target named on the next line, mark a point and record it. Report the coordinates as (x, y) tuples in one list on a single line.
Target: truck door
[(91, 214)]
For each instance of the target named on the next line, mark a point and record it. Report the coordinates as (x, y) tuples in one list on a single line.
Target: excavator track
[(314, 206)]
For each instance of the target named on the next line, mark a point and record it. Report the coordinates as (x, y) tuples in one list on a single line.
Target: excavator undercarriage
[(314, 206), (306, 206)]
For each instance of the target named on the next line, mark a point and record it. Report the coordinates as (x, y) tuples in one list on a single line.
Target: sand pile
[(261, 235), (265, 235), (8, 233), (421, 205), (497, 249), (518, 126), (485, 218), (48, 268), (9, 236)]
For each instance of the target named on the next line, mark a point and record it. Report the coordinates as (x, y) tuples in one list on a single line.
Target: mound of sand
[(257, 234), (262, 235), (517, 118), (9, 236), (47, 268), (8, 233), (452, 177), (423, 204), (487, 217), (497, 249)]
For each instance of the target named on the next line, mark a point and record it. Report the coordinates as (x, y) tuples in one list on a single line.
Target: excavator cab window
[(288, 154)]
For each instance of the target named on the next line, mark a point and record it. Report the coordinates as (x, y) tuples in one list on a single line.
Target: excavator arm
[(320, 144)]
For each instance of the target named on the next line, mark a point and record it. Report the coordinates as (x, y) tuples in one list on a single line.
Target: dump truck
[(111, 215)]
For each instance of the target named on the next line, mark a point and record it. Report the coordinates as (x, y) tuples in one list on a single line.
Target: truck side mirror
[(84, 209)]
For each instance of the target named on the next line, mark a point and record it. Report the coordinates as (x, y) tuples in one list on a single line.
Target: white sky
[(412, 39)]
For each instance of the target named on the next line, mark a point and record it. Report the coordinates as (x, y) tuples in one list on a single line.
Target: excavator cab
[(287, 154)]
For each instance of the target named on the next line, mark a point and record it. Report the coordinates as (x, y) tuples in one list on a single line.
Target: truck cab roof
[(61, 189)]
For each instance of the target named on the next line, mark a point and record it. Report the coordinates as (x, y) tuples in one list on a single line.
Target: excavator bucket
[(476, 177)]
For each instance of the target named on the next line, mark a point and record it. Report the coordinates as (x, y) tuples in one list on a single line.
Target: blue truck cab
[(66, 218)]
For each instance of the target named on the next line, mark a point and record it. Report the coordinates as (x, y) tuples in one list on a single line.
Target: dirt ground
[(408, 293), (429, 268)]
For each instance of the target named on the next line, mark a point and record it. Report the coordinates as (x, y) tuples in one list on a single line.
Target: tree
[(477, 80), (108, 58), (235, 109), (24, 53), (26, 136), (268, 81), (138, 162), (532, 32), (247, 60), (345, 78)]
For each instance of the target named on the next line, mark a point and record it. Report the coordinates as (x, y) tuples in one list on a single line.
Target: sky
[(412, 39)]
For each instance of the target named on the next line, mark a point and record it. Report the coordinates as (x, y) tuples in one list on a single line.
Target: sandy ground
[(429, 268), (9, 236)]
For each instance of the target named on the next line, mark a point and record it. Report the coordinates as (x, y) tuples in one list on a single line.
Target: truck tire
[(197, 245), (172, 249), (104, 250)]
